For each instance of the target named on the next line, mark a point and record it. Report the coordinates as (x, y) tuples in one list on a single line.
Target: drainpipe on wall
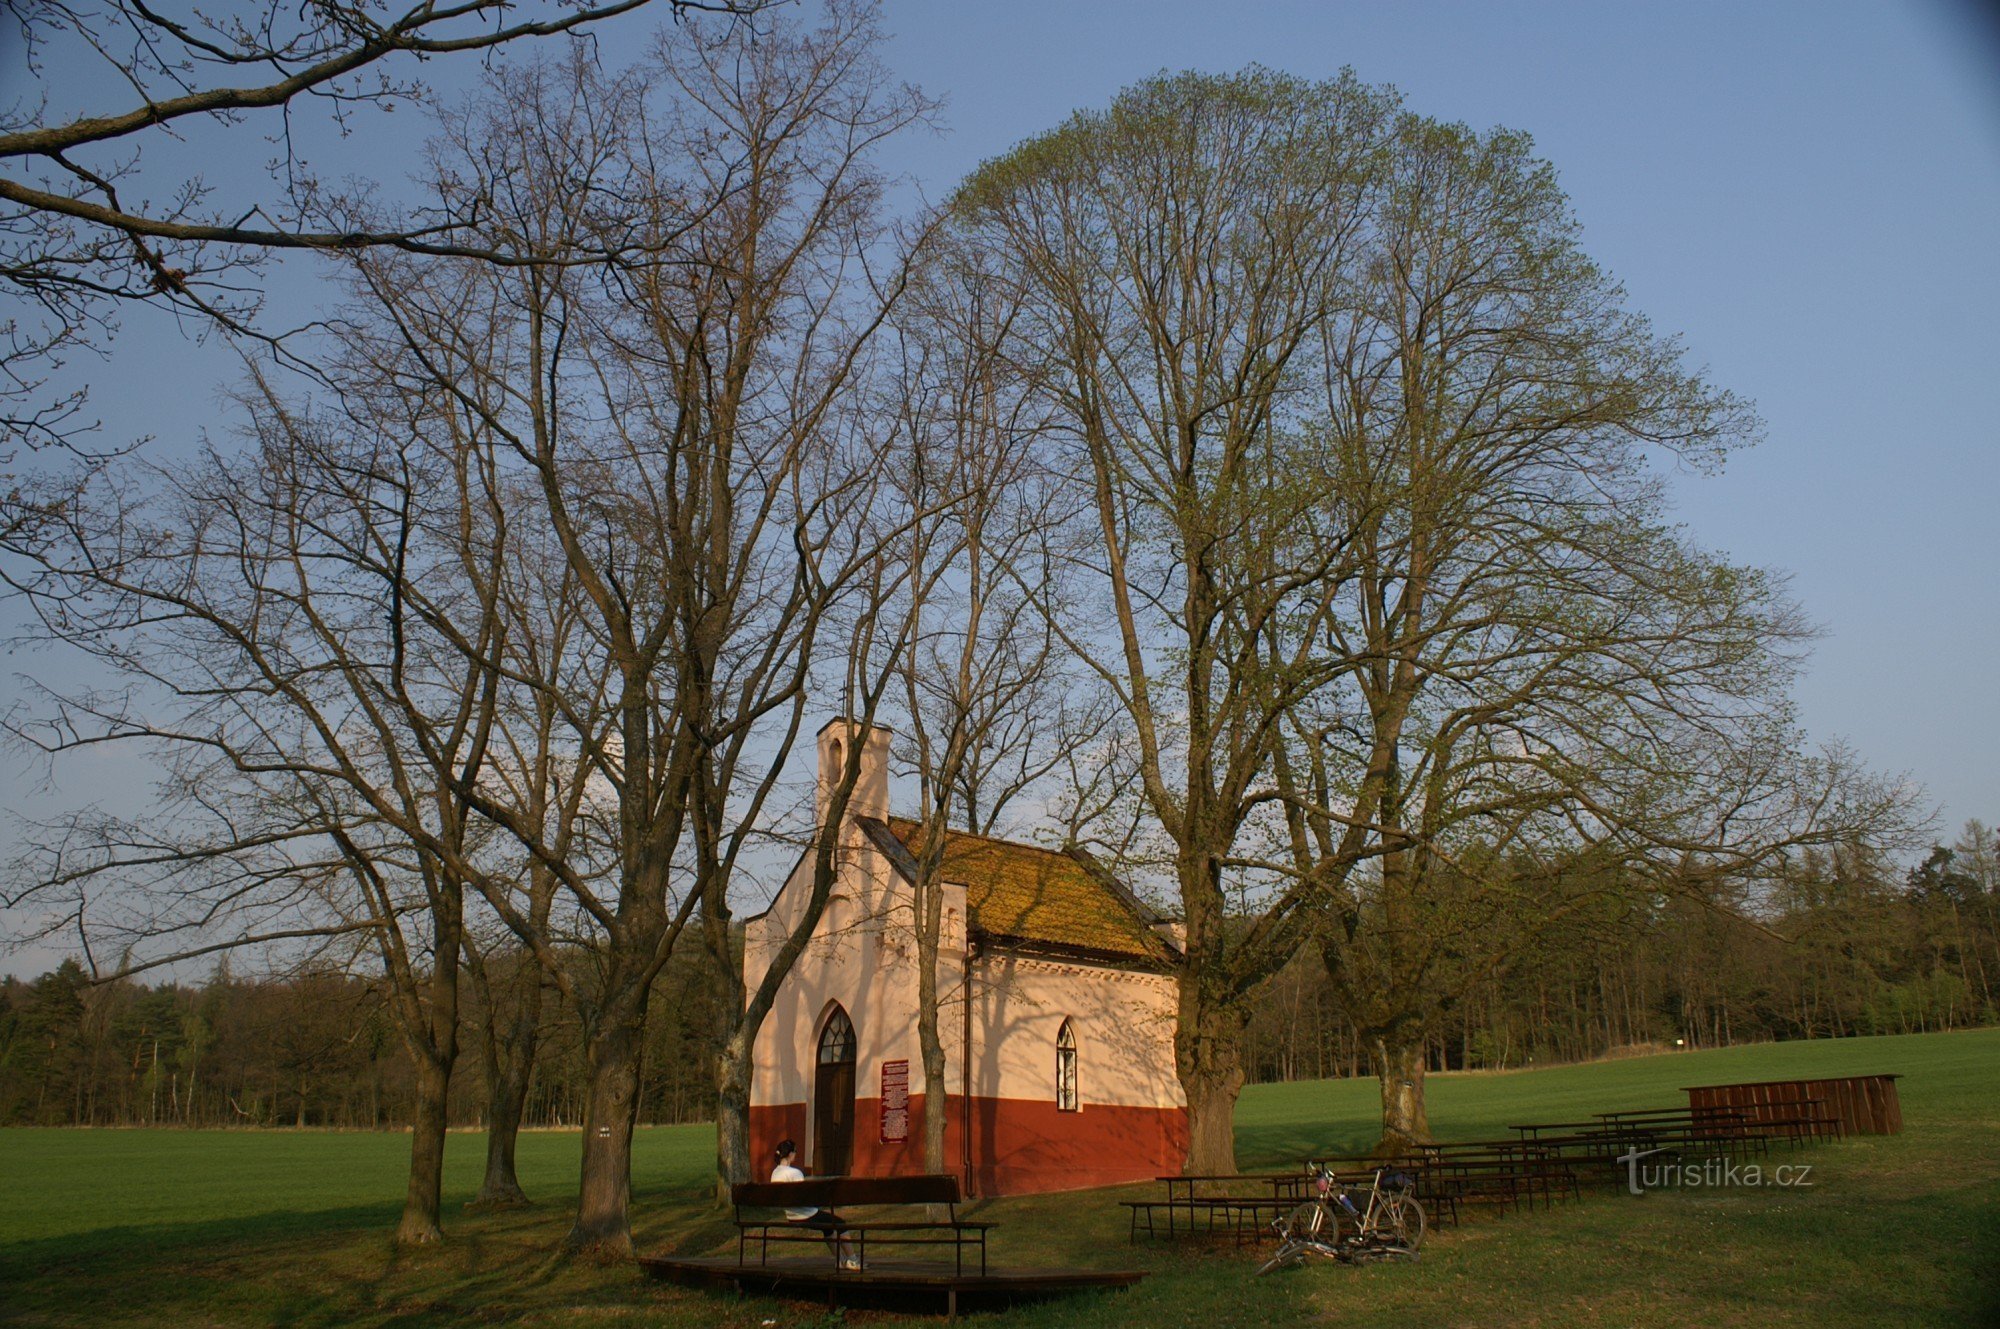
[(965, 1068)]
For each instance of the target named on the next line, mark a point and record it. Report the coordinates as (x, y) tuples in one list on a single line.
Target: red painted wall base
[(1019, 1146)]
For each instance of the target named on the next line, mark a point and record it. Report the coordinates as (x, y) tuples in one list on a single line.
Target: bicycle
[(1389, 1226)]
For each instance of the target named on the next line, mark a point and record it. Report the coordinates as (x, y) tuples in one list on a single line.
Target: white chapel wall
[(1123, 1023)]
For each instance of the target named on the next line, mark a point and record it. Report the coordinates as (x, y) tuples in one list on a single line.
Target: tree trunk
[(603, 1229), (507, 1073), (930, 1045), (419, 1225), (935, 1107), (1207, 1054), (734, 1068), (1211, 1100), (1399, 1065), (501, 1188), (735, 1059)]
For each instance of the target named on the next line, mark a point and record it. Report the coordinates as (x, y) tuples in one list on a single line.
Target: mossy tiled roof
[(1025, 894)]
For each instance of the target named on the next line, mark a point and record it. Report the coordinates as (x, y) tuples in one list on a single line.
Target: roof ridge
[(989, 839)]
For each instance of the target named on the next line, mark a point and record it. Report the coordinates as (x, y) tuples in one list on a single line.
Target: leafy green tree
[(1539, 690), (1176, 260)]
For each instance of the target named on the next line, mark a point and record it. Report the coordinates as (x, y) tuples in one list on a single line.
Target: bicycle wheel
[(1286, 1256), (1403, 1221), (1304, 1223)]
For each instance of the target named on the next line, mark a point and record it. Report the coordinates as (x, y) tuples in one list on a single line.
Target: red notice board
[(895, 1102)]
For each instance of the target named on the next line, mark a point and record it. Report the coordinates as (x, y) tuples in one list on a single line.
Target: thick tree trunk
[(427, 1018), (603, 1229), (1207, 1053), (419, 1225), (508, 1071), (1211, 1100), (501, 1188), (1209, 1019), (1399, 1066), (733, 1070), (735, 1059)]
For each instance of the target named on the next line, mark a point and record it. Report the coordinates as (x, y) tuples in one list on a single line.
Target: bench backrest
[(828, 1192)]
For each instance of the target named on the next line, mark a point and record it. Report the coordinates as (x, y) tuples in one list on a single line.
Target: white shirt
[(786, 1172)]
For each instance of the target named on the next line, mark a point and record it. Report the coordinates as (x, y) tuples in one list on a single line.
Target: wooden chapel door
[(833, 1098)]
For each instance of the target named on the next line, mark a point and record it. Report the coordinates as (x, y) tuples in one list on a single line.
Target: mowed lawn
[(191, 1228)]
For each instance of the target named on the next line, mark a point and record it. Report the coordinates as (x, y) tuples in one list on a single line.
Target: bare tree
[(284, 630), (683, 421), (784, 536), (986, 707), (533, 767), (86, 230)]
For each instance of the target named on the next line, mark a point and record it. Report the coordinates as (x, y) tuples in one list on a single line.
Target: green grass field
[(282, 1228)]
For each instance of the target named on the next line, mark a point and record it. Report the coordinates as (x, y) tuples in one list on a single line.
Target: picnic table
[(1634, 1114), (1248, 1204), (1607, 1143), (1452, 1173), (1797, 1116), (1516, 1173), (1532, 1131), (1638, 1129)]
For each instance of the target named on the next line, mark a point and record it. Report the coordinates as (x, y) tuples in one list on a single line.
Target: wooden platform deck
[(883, 1282)]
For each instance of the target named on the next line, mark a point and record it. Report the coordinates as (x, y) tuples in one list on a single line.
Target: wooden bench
[(833, 1192), (1545, 1178)]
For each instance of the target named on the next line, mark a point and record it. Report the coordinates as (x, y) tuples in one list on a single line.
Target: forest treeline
[(1853, 947), (1850, 946), (315, 1048)]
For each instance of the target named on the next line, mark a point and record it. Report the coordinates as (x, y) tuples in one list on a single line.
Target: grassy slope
[(146, 1227)]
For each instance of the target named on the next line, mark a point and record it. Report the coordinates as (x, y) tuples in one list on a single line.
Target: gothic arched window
[(836, 1041), (1066, 1096)]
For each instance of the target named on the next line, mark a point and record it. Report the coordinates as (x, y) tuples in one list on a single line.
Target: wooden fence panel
[(1860, 1104)]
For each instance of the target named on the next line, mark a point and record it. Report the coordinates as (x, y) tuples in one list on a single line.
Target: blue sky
[(1809, 194)]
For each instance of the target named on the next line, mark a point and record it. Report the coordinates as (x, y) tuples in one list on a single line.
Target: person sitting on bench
[(824, 1219)]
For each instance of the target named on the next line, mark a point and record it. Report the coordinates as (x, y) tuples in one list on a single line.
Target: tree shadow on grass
[(334, 1266), (1287, 1146), (703, 1233), (118, 1246), (1985, 1292)]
